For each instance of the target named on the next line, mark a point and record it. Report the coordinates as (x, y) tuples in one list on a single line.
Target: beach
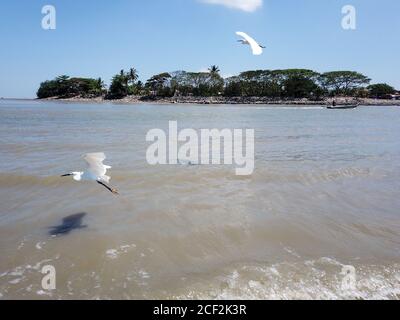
[(324, 195)]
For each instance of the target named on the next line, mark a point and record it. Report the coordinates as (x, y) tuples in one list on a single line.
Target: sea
[(319, 217)]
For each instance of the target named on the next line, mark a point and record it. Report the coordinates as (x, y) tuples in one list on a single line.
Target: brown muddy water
[(325, 194)]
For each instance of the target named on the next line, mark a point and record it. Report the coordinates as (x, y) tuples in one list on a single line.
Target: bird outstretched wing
[(255, 47), (96, 168)]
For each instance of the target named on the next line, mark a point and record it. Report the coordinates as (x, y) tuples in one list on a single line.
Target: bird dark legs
[(114, 191)]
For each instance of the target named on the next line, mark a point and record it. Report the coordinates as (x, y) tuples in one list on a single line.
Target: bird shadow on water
[(69, 223)]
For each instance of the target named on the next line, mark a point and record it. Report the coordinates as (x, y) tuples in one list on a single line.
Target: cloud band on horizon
[(244, 5)]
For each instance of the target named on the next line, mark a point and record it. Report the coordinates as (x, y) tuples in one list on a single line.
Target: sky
[(98, 38)]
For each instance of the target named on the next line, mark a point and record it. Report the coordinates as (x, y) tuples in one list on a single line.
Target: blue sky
[(97, 38)]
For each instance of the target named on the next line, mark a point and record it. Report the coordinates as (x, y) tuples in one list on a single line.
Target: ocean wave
[(320, 279), (317, 279)]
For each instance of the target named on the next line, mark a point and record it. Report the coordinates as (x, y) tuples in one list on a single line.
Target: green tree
[(233, 87), (298, 86), (132, 76), (380, 90), (138, 88), (123, 84), (65, 87), (118, 88), (47, 89), (274, 83), (216, 82), (196, 83), (343, 82), (299, 83), (158, 85)]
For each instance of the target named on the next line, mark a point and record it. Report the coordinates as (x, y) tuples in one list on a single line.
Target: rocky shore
[(234, 100)]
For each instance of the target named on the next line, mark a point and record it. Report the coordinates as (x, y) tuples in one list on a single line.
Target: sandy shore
[(232, 100)]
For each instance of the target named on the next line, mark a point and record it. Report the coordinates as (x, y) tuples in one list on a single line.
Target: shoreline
[(233, 101), (226, 101)]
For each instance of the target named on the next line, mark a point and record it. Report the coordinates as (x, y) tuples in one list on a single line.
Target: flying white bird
[(96, 171), (255, 47)]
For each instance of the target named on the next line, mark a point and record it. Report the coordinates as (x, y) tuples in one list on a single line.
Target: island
[(278, 87)]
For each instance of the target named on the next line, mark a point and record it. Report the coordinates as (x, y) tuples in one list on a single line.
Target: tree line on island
[(277, 84)]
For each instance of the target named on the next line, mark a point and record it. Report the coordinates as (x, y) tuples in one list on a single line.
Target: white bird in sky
[(255, 47), (96, 171)]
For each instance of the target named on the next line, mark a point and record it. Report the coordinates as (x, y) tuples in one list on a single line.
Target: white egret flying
[(96, 171), (255, 47)]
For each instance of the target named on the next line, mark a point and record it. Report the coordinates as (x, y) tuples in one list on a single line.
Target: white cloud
[(245, 5)]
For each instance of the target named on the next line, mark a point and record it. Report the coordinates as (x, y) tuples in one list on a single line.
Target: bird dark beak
[(66, 175)]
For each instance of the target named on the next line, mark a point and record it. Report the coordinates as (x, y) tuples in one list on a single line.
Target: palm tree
[(133, 75), (124, 78), (100, 85), (215, 81), (214, 70), (62, 78)]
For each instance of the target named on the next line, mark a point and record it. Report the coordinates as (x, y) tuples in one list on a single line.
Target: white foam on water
[(21, 244), (15, 281), (44, 293), (115, 253), (144, 274), (21, 276), (308, 280), (112, 253), (40, 245), (292, 252)]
